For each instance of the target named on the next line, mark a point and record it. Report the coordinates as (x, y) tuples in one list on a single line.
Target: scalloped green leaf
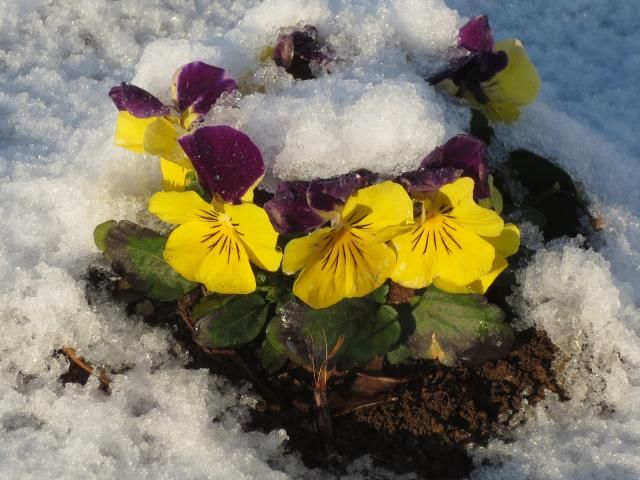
[(308, 335), (136, 253), (236, 321), (457, 329)]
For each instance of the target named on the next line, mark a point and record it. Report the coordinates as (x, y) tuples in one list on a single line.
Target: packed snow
[(60, 175)]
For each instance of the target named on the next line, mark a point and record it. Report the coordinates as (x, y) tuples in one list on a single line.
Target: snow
[(60, 175)]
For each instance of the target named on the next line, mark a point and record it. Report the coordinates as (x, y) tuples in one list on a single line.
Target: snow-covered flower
[(350, 257), (216, 243), (495, 77)]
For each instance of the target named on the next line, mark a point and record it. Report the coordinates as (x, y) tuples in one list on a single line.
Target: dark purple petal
[(476, 35), (198, 86), (137, 101), (331, 194), (467, 154), (300, 53), (226, 160), (428, 180), (289, 211)]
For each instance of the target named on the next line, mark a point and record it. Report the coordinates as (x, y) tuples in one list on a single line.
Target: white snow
[(60, 175)]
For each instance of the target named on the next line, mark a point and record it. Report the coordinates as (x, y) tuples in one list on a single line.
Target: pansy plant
[(216, 242), (146, 124), (495, 77)]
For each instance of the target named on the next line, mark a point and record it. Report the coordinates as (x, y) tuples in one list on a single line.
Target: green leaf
[(210, 303), (479, 126), (100, 234), (308, 335), (271, 359), (458, 329), (235, 322), (379, 295), (136, 253)]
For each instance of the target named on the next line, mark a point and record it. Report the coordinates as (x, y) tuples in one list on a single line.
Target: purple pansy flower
[(301, 206), (461, 156)]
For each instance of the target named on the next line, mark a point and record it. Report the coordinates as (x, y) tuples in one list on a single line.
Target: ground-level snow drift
[(60, 175)]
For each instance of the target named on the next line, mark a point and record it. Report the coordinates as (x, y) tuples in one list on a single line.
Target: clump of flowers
[(320, 262)]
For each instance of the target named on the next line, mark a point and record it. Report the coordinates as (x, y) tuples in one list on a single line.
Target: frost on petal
[(330, 194), (427, 180), (197, 86), (227, 161), (299, 52), (137, 101), (476, 35), (289, 211), (467, 154)]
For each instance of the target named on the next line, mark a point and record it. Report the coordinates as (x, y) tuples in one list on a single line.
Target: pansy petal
[(378, 206), (501, 111), (197, 86), (179, 207), (456, 200), (330, 195), (289, 211), (226, 269), (508, 242), (441, 248), (256, 234), (161, 138), (476, 35), (299, 250), (344, 269), (427, 180), (227, 161), (137, 101), (283, 52), (466, 153), (481, 285), (185, 250), (174, 176), (519, 83), (130, 131)]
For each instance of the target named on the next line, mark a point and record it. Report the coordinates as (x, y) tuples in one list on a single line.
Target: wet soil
[(425, 424)]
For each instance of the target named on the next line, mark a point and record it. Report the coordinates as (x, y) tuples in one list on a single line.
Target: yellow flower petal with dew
[(256, 233), (130, 131), (179, 207), (174, 176), (161, 138)]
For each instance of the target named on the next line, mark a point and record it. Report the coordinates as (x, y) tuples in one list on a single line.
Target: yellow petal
[(256, 234), (180, 207), (508, 242), (458, 197), (130, 131), (501, 111), (344, 268), (378, 206), (298, 251), (519, 83), (212, 256), (441, 248), (174, 177), (481, 285), (161, 138)]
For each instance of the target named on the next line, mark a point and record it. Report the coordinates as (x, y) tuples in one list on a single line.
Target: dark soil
[(432, 418), (424, 425)]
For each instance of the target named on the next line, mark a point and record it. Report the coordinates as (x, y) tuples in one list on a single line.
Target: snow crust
[(60, 175)]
